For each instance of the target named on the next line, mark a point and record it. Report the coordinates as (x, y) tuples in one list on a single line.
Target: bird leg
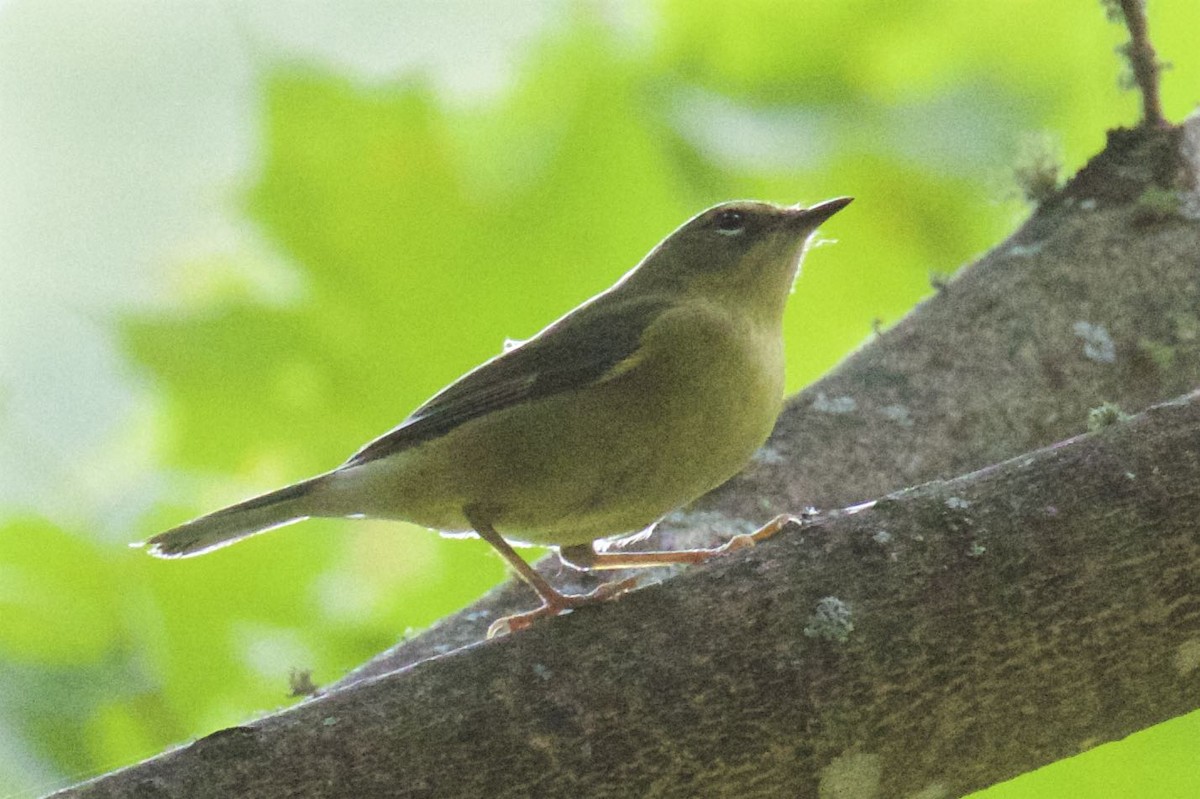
[(554, 602), (584, 556)]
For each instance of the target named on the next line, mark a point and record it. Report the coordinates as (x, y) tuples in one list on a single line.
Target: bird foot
[(744, 540), (557, 604)]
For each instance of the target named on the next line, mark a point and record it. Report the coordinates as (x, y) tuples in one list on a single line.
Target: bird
[(628, 407)]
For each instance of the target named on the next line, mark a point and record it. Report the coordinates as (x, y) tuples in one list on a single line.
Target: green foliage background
[(421, 233)]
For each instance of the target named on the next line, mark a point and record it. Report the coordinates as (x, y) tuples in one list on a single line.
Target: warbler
[(633, 404)]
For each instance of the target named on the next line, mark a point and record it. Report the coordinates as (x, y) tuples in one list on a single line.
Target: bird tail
[(224, 527)]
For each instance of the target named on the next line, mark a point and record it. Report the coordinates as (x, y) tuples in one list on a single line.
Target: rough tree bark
[(947, 637)]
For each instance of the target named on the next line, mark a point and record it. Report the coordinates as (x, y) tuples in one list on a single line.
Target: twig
[(1144, 62)]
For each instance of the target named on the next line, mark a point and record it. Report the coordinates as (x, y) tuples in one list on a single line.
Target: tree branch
[(948, 637), (1143, 61)]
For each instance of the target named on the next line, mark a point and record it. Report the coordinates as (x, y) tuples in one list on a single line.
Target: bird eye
[(730, 222)]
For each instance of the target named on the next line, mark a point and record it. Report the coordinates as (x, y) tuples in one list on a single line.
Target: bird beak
[(815, 215)]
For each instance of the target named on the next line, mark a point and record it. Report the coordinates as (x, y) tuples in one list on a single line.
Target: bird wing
[(578, 350)]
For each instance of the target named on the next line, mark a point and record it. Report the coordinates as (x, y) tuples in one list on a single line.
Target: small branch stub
[(1142, 59)]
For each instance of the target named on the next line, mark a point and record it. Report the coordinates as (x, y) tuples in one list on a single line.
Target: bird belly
[(604, 460)]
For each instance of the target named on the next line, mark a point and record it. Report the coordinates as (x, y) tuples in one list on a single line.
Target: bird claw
[(740, 541), (746, 540), (558, 605)]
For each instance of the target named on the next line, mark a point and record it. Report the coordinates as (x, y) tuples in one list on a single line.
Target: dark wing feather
[(575, 351)]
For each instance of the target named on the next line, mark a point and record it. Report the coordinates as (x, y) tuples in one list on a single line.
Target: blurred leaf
[(1158, 763), (57, 605)]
